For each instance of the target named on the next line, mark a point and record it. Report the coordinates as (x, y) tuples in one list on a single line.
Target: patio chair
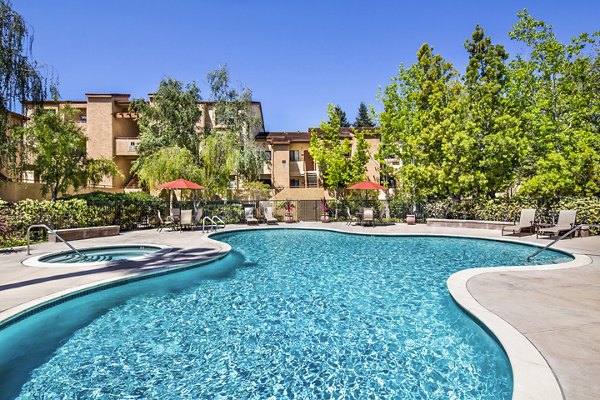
[(566, 222), (249, 216), (168, 222), (368, 217), (526, 223), (351, 218), (198, 217), (186, 219), (269, 216), (176, 214)]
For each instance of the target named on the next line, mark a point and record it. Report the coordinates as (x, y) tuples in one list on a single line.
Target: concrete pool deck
[(557, 310)]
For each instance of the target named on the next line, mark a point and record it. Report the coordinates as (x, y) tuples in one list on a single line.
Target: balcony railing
[(126, 146)]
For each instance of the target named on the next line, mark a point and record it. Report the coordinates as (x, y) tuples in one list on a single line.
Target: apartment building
[(113, 133), (292, 167)]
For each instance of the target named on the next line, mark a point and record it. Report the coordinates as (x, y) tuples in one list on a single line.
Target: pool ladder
[(215, 222), (571, 231), (50, 230)]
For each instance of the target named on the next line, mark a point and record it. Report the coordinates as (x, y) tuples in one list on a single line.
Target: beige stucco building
[(113, 133), (292, 171)]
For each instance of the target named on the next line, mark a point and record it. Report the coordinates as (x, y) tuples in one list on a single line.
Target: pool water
[(98, 254), (287, 314)]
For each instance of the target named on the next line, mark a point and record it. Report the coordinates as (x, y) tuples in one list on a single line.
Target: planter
[(287, 218), (324, 218), (411, 219)]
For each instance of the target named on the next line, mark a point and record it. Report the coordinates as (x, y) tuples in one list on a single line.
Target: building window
[(132, 147), (294, 155), (294, 183), (267, 155)]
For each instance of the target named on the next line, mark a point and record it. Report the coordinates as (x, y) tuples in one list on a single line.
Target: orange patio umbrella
[(366, 185), (178, 184)]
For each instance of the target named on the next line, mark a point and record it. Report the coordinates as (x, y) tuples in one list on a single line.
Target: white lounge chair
[(526, 223), (368, 217), (249, 216), (566, 222), (269, 216), (186, 219)]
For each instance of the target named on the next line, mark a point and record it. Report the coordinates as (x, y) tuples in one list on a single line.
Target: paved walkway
[(558, 311)]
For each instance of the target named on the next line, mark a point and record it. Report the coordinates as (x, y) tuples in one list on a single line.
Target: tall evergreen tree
[(341, 115), (363, 120), (497, 145)]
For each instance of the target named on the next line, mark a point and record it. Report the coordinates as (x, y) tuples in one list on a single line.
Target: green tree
[(363, 119), (167, 164), (556, 88), (20, 80), (421, 126), (341, 115), (170, 119), (230, 149), (56, 147), (333, 154), (496, 145)]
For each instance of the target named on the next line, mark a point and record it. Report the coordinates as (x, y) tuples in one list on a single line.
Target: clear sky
[(296, 56)]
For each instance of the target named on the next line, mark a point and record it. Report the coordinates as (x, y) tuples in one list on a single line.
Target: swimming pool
[(288, 313)]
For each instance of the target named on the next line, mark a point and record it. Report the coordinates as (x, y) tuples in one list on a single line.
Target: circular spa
[(93, 255), (287, 313)]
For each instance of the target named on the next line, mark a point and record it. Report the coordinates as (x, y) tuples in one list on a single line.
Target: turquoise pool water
[(98, 254), (287, 314)]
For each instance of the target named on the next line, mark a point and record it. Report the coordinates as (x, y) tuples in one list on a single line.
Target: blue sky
[(295, 56)]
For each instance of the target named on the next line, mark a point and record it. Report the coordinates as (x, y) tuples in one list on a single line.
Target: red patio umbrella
[(179, 184), (366, 185)]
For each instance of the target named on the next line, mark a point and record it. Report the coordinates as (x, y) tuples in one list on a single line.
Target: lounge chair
[(269, 216), (566, 222), (526, 223), (351, 218), (168, 222), (186, 219), (249, 216), (368, 217)]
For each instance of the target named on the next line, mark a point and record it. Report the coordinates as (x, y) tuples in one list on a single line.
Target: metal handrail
[(50, 230), (214, 222), (216, 217), (211, 222), (538, 251)]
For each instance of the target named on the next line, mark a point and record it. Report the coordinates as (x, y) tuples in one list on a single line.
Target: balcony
[(296, 168), (126, 146)]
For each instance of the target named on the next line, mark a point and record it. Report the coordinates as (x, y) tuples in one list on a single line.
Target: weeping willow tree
[(237, 123), (21, 79), (172, 146)]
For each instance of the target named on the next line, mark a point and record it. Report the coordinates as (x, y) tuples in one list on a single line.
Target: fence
[(16, 217)]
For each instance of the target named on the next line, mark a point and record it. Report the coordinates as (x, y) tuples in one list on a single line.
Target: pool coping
[(533, 378)]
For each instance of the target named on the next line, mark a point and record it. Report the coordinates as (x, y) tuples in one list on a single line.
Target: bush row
[(129, 211), (509, 209)]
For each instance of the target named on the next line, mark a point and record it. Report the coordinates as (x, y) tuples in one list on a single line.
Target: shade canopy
[(366, 185), (180, 184)]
